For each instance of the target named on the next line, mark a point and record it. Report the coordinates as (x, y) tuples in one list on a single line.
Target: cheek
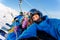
[(38, 17), (34, 18)]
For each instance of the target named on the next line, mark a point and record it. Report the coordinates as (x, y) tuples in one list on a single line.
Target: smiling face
[(35, 17)]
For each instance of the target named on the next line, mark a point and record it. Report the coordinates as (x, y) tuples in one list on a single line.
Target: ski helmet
[(33, 11)]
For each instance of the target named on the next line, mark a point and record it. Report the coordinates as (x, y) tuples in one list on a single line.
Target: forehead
[(35, 14)]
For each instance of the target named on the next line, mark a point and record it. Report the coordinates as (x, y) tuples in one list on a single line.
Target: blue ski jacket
[(51, 26)]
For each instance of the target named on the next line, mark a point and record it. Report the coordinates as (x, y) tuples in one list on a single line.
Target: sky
[(50, 7)]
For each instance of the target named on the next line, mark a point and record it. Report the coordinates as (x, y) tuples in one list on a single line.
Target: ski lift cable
[(33, 7), (44, 9), (29, 4)]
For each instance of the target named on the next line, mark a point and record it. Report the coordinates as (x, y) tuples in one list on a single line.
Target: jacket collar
[(43, 23)]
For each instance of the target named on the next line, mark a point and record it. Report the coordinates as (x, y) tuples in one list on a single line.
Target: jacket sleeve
[(58, 34), (11, 36), (56, 23), (29, 32)]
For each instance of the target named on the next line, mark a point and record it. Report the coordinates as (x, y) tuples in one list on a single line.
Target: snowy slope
[(6, 15)]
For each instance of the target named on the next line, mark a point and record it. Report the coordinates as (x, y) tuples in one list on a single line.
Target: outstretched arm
[(29, 32)]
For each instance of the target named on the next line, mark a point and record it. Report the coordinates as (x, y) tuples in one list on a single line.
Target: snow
[(6, 15)]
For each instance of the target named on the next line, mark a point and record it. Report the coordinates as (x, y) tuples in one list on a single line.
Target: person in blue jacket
[(12, 35), (42, 23), (16, 21)]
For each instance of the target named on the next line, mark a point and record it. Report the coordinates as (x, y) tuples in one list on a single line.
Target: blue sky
[(51, 6)]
